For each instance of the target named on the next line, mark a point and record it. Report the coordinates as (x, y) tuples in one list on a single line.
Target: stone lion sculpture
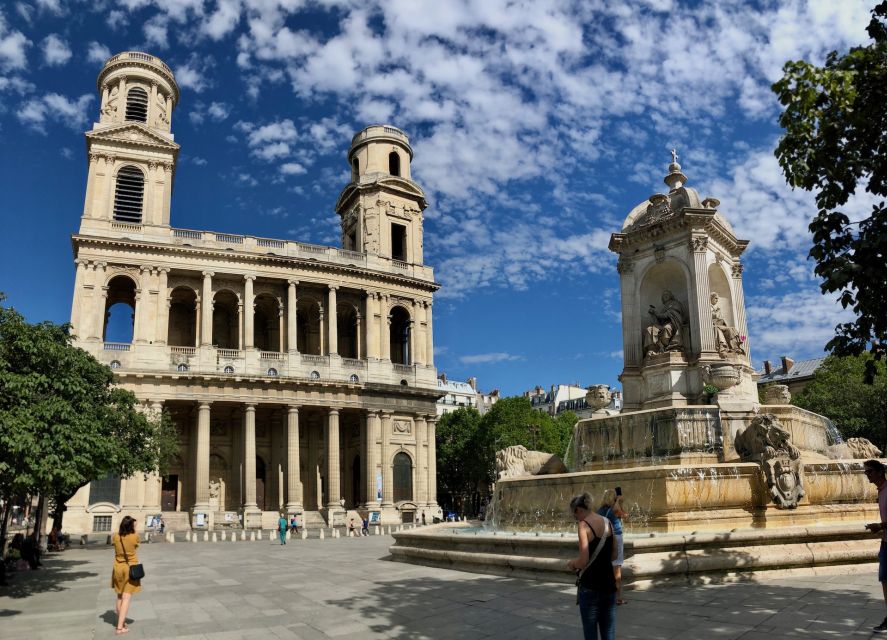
[(777, 394), (766, 442), (517, 461), (854, 449), (598, 396)]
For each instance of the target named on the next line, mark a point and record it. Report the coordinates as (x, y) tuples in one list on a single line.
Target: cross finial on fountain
[(674, 156), (675, 179)]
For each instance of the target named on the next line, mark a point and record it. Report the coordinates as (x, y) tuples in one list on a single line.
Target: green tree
[(62, 421), (835, 144), (460, 467), (839, 392)]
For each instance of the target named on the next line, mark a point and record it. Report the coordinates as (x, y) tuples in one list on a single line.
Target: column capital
[(249, 407), (292, 282), (386, 414), (249, 278), (333, 287), (208, 274), (333, 411), (163, 270), (205, 405), (737, 270), (293, 408), (373, 412)]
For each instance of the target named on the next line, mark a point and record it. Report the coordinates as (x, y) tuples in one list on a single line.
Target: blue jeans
[(598, 613)]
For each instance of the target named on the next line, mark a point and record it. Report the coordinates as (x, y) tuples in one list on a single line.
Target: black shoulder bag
[(136, 571)]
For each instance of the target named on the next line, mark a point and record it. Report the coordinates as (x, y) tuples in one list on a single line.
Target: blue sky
[(537, 126)]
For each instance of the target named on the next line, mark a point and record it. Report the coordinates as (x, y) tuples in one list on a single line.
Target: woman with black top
[(597, 584)]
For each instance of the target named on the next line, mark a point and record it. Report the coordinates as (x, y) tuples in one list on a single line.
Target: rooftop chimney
[(472, 382), (767, 368), (787, 364)]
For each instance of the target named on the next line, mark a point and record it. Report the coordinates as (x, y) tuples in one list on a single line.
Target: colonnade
[(376, 447), (152, 303)]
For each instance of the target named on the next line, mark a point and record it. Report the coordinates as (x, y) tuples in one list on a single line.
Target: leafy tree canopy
[(839, 392), (62, 422), (835, 144)]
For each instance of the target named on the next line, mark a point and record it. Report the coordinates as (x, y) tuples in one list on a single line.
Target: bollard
[(194, 538), (206, 536), (252, 536), (260, 534), (233, 536), (243, 535), (377, 530), (288, 536), (224, 536), (304, 534), (187, 536), (215, 537), (321, 533)]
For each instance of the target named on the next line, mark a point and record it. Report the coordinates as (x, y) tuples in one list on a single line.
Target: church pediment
[(132, 133)]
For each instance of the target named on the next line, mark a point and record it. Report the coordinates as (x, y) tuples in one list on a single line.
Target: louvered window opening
[(137, 105), (128, 195)]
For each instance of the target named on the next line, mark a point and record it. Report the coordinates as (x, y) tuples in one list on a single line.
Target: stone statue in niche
[(518, 461), (727, 338), (766, 442), (161, 119), (666, 332), (109, 111)]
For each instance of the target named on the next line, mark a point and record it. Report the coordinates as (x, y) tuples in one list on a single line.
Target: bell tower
[(132, 155), (381, 208)]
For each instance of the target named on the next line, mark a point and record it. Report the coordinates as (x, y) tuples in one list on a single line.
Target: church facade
[(300, 377)]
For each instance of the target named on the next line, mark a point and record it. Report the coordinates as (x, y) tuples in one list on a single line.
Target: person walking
[(611, 509), (875, 472), (365, 527), (595, 579), (125, 542), (282, 528)]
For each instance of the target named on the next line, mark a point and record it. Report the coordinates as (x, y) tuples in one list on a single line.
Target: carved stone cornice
[(687, 220), (698, 244), (737, 270)]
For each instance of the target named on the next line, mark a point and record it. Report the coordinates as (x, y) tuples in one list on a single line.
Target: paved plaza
[(347, 588)]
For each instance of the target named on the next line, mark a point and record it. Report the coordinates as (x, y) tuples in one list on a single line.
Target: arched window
[(400, 336), (355, 169), (403, 477), (272, 372), (137, 105), (105, 490), (394, 163), (129, 192), (120, 310)]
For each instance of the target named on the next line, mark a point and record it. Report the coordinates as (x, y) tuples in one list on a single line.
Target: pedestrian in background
[(875, 472), (611, 509), (595, 581), (125, 542), (281, 528)]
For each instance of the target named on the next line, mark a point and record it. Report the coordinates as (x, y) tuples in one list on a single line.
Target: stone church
[(300, 377)]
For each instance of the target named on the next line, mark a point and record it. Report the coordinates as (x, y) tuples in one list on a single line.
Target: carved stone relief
[(403, 427), (766, 442), (517, 461)]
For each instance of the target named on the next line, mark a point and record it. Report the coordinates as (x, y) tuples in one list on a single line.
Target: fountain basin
[(680, 498), (649, 560)]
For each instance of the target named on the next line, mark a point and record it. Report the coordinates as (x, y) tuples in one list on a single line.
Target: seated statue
[(665, 333), (727, 338), (517, 461)]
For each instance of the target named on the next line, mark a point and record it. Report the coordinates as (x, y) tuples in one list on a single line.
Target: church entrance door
[(169, 493)]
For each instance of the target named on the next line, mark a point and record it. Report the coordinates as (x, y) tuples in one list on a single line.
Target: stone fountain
[(695, 452)]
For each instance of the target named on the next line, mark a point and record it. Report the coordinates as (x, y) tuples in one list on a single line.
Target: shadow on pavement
[(55, 575)]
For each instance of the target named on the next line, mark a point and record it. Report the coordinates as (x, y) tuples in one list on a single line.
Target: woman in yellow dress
[(126, 541)]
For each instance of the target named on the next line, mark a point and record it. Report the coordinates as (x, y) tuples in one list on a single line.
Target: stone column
[(429, 339), (105, 92), (121, 100), (320, 330), (99, 299), (387, 478), (240, 325), (248, 312), (334, 491), (332, 317), (88, 198), (421, 460), (739, 307), (249, 459), (701, 298), (167, 192), (372, 326), (631, 321), (293, 477), (201, 467), (162, 329), (371, 457), (431, 421), (141, 330), (152, 105), (417, 347), (206, 320), (385, 328), (357, 335), (281, 330), (152, 483), (292, 338), (198, 314), (77, 303)]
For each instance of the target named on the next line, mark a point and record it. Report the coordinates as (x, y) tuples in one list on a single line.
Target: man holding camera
[(874, 471)]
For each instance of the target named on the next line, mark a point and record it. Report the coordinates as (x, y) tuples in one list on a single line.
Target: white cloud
[(292, 169), (13, 48), (198, 161), (97, 52), (798, 323), (116, 19), (223, 20), (488, 358), (56, 51), (193, 74), (156, 32), (66, 153), (218, 111), (52, 107)]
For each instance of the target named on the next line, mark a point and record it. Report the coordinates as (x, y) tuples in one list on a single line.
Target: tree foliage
[(467, 442), (835, 144), (839, 392), (62, 421)]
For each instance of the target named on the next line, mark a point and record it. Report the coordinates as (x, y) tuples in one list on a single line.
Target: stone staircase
[(311, 520)]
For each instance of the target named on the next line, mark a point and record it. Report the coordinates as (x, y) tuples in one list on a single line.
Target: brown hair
[(127, 526), (583, 501)]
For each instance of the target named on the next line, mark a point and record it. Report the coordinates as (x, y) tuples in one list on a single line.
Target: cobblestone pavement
[(346, 588)]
